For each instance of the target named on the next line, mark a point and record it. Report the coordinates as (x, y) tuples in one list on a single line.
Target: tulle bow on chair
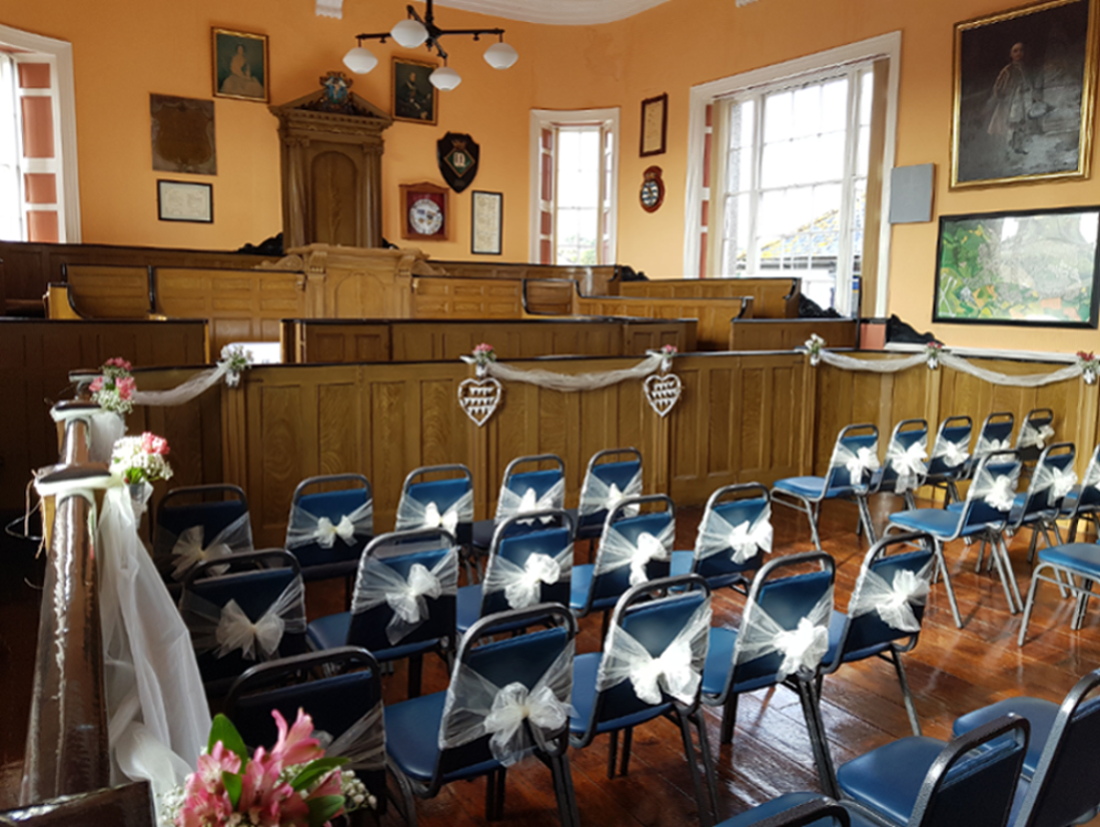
[(802, 647), (616, 551), (380, 583)]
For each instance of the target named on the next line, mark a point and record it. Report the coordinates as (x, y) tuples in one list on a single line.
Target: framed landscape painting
[(1036, 267)]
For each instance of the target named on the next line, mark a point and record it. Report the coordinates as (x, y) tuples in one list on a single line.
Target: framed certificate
[(654, 125), (486, 223), (185, 201)]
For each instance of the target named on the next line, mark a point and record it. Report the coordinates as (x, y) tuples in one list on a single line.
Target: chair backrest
[(252, 611), (1052, 479), (855, 459), (1087, 500), (1036, 432), (906, 460), (668, 615), (340, 688), (133, 805), (635, 545), (973, 779), (331, 525), (421, 566), (446, 500), (487, 669), (735, 533), (787, 593), (530, 566), (612, 473), (1066, 786), (887, 603), (817, 812), (951, 448), (198, 522), (995, 434), (534, 489), (991, 495)]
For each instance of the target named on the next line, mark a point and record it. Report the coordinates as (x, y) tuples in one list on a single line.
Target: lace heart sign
[(479, 398), (662, 392)]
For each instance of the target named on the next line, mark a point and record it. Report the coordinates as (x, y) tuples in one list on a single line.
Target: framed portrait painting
[(1024, 84), (240, 65), (1033, 267), (414, 97)]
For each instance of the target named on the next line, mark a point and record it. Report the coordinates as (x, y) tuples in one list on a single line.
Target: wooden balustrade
[(787, 334), (713, 315), (773, 298)]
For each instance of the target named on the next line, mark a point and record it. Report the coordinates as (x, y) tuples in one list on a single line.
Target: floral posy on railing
[(237, 358), (113, 390), (933, 353), (1090, 366), (141, 458)]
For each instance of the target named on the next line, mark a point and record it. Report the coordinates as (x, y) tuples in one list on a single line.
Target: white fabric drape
[(226, 629), (522, 585), (802, 647), (229, 368), (578, 382), (1059, 481), (676, 672), (616, 551), (476, 707), (908, 463), (597, 495), (892, 601), (104, 430), (379, 583), (1035, 437), (997, 490), (306, 528), (952, 361), (511, 504), (413, 514), (190, 547), (742, 541)]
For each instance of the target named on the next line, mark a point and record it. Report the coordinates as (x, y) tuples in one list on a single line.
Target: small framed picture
[(654, 125), (185, 201), (486, 223), (414, 97), (240, 65)]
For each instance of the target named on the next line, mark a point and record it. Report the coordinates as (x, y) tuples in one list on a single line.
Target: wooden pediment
[(311, 107)]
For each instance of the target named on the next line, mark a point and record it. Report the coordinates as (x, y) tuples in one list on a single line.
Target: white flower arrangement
[(238, 359), (141, 458), (814, 345)]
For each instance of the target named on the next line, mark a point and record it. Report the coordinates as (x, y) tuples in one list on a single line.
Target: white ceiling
[(556, 12)]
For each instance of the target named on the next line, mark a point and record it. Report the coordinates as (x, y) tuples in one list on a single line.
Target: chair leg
[(813, 512), (494, 794), (941, 564), (702, 799), (818, 741), (563, 784), (612, 753), (1083, 596), (1013, 590), (906, 694), (1029, 605), (628, 742), (865, 518), (408, 805), (729, 719)]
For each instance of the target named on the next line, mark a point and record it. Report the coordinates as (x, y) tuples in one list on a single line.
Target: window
[(787, 191), (573, 171)]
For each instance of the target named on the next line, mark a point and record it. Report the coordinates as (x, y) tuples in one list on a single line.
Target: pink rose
[(97, 384), (125, 386)]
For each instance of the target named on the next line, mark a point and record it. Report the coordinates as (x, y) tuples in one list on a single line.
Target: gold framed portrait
[(240, 65), (414, 97)]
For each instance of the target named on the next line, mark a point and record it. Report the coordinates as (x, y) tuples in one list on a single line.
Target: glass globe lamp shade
[(360, 60), (501, 56), (445, 78), (409, 33)]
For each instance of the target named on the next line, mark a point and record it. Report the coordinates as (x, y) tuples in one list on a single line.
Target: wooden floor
[(951, 672)]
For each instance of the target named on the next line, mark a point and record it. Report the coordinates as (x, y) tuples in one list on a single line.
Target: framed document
[(185, 201), (654, 125), (486, 223)]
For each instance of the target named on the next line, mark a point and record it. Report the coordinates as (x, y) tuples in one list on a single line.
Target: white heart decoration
[(479, 398), (662, 392)]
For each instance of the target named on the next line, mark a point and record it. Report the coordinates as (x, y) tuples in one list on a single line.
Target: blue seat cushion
[(786, 802), (481, 535), (330, 631), (812, 488), (938, 522), (1081, 557), (467, 606), (412, 739), (719, 662), (681, 563), (580, 585), (1039, 713), (888, 779)]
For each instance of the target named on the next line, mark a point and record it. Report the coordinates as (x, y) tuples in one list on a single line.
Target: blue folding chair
[(507, 698), (783, 636), (851, 469), (1083, 502), (445, 501), (328, 530), (1036, 432), (651, 666), (906, 462), (994, 437), (1039, 508), (793, 810), (611, 475), (635, 546), (983, 515), (950, 458), (885, 610), (404, 601), (342, 691), (252, 610), (735, 534), (535, 489), (197, 523), (1061, 769), (530, 562)]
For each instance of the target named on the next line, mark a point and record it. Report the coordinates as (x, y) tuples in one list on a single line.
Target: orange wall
[(121, 57)]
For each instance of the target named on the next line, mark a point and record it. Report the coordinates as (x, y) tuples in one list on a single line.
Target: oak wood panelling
[(548, 297), (466, 298), (713, 315), (594, 280), (774, 298), (336, 341), (787, 334), (108, 292)]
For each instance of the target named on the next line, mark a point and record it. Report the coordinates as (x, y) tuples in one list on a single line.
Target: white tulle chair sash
[(597, 495), (226, 629), (1035, 437), (953, 454), (1058, 481), (306, 528), (908, 463), (802, 647), (414, 514), (512, 504), (105, 428), (991, 445), (676, 672), (190, 547), (893, 601), (741, 541), (616, 551), (860, 463), (996, 490), (379, 584), (522, 585), (517, 718), (363, 743)]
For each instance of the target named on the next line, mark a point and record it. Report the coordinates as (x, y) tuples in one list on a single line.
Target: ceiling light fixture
[(416, 30)]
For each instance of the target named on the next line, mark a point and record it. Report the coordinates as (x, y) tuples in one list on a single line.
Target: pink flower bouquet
[(141, 458), (113, 390)]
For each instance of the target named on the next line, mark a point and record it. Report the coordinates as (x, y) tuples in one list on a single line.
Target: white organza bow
[(616, 551), (306, 528), (1035, 437), (237, 631), (379, 583), (413, 514), (511, 504), (522, 585), (189, 549), (892, 601), (597, 495), (476, 707), (1059, 481), (989, 445), (998, 491), (908, 464), (953, 454), (363, 743), (743, 541), (802, 647), (228, 629), (677, 671), (859, 463)]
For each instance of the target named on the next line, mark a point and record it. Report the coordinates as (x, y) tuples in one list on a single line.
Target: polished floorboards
[(951, 671)]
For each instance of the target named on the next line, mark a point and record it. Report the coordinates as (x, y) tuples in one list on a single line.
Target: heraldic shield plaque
[(458, 155)]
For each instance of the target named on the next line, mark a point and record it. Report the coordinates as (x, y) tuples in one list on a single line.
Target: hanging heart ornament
[(662, 392), (479, 398)]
